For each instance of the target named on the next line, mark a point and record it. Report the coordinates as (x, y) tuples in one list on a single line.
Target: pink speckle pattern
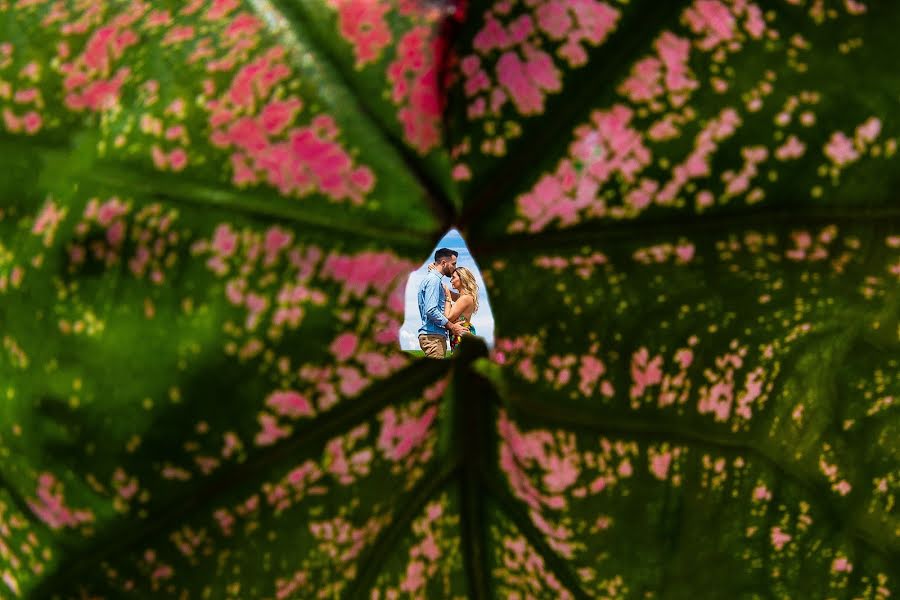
[(50, 505), (413, 76), (719, 24), (364, 351), (679, 254), (255, 116), (297, 161), (396, 445), (843, 151), (48, 220), (520, 451), (403, 430), (792, 148), (523, 73), (645, 371), (611, 149), (432, 558), (582, 265), (344, 346), (526, 81), (841, 565), (666, 74), (362, 23), (661, 461), (515, 63), (91, 82), (840, 150), (521, 572), (110, 218), (149, 236), (607, 148), (659, 88), (290, 404), (779, 538), (403, 39), (340, 540)]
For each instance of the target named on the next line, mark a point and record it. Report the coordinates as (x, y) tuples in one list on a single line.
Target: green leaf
[(685, 218)]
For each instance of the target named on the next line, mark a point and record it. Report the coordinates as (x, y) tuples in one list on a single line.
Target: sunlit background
[(483, 319)]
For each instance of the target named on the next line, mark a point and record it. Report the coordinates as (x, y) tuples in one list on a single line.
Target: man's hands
[(457, 329)]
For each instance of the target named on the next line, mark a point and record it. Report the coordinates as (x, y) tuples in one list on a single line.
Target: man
[(433, 332)]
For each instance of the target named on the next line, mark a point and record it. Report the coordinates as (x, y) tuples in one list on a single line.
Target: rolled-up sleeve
[(435, 303)]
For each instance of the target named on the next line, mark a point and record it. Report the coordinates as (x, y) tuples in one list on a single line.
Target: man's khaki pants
[(433, 345)]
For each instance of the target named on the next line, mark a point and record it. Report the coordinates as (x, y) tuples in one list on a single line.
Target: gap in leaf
[(483, 319)]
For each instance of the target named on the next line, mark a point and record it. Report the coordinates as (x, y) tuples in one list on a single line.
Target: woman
[(460, 306)]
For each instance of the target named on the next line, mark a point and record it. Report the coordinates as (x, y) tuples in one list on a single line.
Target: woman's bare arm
[(462, 305), (448, 303)]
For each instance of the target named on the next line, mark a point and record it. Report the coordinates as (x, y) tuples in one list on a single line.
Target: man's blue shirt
[(431, 305)]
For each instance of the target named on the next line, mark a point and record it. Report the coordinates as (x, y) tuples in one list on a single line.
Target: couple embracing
[(446, 311)]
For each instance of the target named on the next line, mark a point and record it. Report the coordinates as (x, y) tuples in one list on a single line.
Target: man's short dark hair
[(444, 254)]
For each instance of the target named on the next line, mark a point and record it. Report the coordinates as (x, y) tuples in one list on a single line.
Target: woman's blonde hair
[(468, 285)]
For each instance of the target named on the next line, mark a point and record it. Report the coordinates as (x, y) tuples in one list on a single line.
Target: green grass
[(419, 353)]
